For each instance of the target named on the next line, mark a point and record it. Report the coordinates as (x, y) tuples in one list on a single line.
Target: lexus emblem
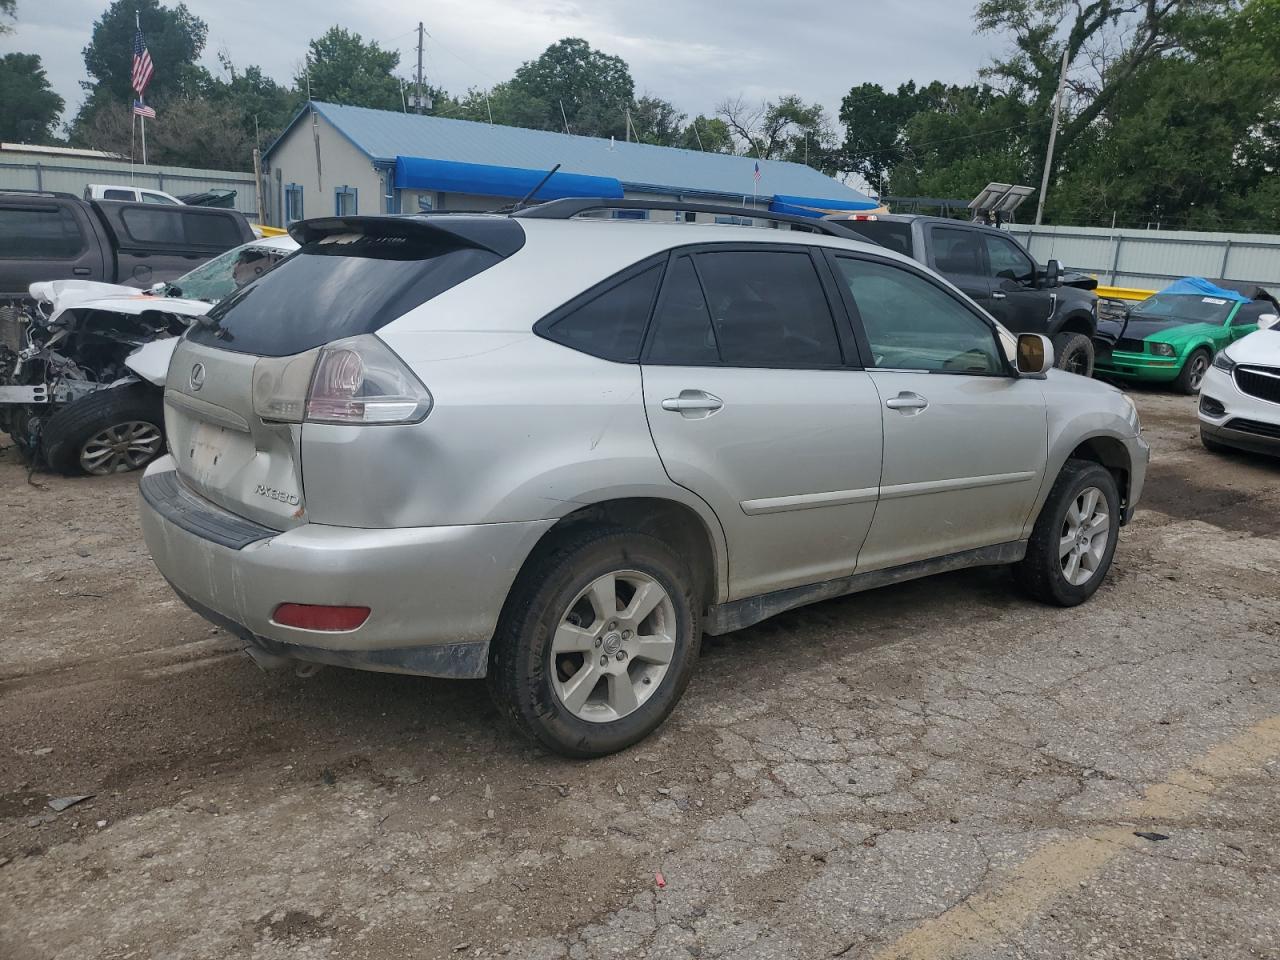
[(197, 376)]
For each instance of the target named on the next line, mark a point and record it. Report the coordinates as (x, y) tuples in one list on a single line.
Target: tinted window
[(768, 309), (1249, 313), (682, 331), (1006, 260), (913, 325), (175, 226), (39, 233), (956, 251), (118, 195), (155, 198), (896, 236), (338, 287), (611, 324)]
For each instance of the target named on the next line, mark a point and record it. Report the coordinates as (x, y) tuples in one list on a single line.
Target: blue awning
[(486, 180), (816, 206)]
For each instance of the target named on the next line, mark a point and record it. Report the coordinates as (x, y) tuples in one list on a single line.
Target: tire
[(124, 425), (1042, 573), (1192, 373), (540, 697), (1073, 352)]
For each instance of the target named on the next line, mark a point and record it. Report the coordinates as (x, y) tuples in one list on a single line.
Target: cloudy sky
[(692, 53)]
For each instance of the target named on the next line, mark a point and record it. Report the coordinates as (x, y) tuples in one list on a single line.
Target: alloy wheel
[(613, 646), (121, 447), (1199, 367), (1086, 530)]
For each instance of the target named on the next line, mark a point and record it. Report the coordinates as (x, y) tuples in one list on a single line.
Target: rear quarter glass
[(338, 287)]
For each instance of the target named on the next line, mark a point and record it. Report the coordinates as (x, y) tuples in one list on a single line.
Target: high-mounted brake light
[(311, 616), (358, 380)]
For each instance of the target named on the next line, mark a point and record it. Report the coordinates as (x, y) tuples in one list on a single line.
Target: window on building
[(345, 201), (292, 202), (631, 214)]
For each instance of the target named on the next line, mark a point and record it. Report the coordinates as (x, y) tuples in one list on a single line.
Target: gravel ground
[(939, 769)]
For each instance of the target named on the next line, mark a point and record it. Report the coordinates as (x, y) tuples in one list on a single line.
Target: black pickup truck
[(58, 236), (997, 272)]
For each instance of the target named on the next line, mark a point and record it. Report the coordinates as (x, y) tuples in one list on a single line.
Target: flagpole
[(143, 121)]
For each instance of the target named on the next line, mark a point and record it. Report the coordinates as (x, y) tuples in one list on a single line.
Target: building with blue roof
[(334, 159)]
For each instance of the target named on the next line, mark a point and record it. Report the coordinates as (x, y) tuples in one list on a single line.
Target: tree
[(8, 8), (342, 68), (782, 129), (29, 108), (708, 134), (570, 84), (654, 120)]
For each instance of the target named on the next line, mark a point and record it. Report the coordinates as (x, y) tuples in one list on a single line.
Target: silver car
[(555, 450)]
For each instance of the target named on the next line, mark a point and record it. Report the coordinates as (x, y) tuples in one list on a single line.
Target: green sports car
[(1171, 337)]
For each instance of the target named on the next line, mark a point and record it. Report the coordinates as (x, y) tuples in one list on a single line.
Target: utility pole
[(418, 95), (1053, 135)]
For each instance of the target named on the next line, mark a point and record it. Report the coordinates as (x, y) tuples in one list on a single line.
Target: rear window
[(887, 233), (39, 233), (175, 226), (340, 286)]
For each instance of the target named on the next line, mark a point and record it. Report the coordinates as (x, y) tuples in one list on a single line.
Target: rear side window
[(896, 236), (768, 309), (611, 324), (682, 332), (39, 233), (174, 226), (339, 286), (956, 251), (118, 195)]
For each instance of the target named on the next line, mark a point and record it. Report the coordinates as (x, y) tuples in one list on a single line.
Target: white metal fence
[(35, 171), (1152, 258)]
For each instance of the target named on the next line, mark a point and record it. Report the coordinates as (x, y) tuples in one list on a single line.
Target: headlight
[(1163, 349), (1223, 362)]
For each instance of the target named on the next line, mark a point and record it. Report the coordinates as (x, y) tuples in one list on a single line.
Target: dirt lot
[(939, 769)]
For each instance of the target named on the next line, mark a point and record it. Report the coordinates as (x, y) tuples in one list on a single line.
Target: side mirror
[(1268, 320), (1053, 273), (157, 288), (1035, 354)]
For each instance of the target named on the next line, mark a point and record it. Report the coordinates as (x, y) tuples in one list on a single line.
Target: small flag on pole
[(142, 110), (756, 176), (143, 68)]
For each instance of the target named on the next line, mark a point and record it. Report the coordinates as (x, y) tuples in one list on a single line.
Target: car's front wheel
[(1192, 373), (1073, 352), (1074, 537), (108, 431), (597, 642)]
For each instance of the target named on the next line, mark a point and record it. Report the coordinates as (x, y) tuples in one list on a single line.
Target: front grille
[(1255, 427), (1260, 382), (1129, 345)]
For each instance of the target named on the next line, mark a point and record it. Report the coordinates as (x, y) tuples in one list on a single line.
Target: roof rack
[(572, 206)]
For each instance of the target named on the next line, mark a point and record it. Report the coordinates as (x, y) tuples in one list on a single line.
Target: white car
[(1240, 395), (113, 191)]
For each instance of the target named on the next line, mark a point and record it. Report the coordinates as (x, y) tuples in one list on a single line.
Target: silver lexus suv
[(556, 449)]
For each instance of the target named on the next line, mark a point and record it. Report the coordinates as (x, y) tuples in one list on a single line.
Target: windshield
[(225, 274), (1183, 308)]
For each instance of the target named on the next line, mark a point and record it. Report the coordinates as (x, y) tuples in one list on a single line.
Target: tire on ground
[(1070, 349), (67, 431), (519, 679), (1040, 572), (1197, 363)]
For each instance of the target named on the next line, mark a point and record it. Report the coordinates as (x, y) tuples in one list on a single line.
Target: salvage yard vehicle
[(555, 449), (1240, 396), (1171, 338), (116, 191), (998, 274), (83, 393)]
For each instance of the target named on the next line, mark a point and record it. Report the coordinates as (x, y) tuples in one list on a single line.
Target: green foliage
[(708, 134), (571, 84), (342, 68), (782, 129), (175, 39), (29, 108)]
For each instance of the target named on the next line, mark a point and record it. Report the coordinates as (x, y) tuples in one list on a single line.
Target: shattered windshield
[(1183, 308), (225, 274)]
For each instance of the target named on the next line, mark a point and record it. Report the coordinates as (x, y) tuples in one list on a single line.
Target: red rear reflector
[(309, 616)]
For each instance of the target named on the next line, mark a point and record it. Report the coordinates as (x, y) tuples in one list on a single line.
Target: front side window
[(768, 309), (611, 324), (913, 325), (1006, 261), (157, 198)]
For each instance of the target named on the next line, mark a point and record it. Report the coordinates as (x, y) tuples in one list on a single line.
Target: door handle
[(906, 401), (80, 271), (997, 295), (693, 401)]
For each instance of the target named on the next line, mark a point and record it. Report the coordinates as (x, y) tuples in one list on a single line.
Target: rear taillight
[(311, 616), (358, 380)]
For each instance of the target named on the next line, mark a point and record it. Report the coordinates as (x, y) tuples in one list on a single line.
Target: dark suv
[(996, 272)]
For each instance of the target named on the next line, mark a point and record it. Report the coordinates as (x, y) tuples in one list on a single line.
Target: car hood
[(1138, 328), (63, 295), (1261, 347)]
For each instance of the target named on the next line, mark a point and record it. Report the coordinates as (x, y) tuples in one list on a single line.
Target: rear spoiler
[(501, 236)]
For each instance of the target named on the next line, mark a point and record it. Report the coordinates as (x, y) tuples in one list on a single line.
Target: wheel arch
[(1109, 452), (1077, 321)]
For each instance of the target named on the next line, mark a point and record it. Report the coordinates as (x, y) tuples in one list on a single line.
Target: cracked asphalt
[(938, 769)]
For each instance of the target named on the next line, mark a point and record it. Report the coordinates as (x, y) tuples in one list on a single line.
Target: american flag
[(142, 110), (142, 66), (756, 176)]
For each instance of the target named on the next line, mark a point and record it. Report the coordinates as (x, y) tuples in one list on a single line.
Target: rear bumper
[(435, 592)]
